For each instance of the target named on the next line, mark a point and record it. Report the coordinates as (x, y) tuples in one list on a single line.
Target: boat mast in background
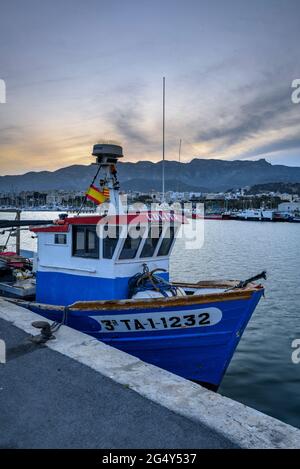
[(163, 146), (179, 150), (179, 155)]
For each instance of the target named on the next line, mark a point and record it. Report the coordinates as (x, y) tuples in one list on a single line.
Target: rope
[(148, 281), (85, 197), (56, 324)]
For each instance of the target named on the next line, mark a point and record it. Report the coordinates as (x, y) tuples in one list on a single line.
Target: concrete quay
[(76, 392)]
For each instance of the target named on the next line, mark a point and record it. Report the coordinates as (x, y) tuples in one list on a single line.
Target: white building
[(289, 207), (53, 198)]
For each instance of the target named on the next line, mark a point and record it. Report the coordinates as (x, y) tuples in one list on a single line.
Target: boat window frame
[(123, 238), (138, 257), (57, 235), (145, 237), (117, 247), (176, 229), (86, 254)]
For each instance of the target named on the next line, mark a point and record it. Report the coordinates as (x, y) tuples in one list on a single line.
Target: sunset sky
[(78, 71)]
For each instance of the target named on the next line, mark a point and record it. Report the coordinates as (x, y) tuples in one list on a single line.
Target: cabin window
[(60, 238), (167, 242), (85, 242), (151, 241), (132, 243), (111, 236)]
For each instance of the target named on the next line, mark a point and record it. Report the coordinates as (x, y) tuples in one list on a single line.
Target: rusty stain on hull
[(111, 305)]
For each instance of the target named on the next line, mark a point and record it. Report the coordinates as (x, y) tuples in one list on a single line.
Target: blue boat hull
[(190, 346)]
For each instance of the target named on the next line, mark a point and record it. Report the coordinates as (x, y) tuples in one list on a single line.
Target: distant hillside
[(147, 185), (198, 175), (282, 187)]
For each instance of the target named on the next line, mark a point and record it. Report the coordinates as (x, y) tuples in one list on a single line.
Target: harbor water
[(261, 374)]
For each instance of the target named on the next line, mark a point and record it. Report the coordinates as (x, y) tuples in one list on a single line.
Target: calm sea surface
[(261, 373)]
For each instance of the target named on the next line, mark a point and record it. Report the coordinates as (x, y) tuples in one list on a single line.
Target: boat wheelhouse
[(93, 257)]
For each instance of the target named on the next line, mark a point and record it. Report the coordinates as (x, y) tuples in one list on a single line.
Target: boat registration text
[(159, 321)]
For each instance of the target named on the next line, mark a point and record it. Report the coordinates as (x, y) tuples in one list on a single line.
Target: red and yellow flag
[(95, 195), (106, 192)]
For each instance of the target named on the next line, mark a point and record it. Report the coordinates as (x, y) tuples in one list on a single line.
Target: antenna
[(179, 154), (179, 150), (107, 155), (163, 146)]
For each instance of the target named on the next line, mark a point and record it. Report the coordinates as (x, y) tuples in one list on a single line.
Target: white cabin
[(93, 257)]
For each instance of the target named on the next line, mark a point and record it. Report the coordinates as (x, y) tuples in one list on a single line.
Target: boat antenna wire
[(163, 143), (179, 156), (85, 197), (179, 151)]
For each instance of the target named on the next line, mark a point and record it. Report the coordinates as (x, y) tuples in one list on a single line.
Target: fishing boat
[(107, 275), (256, 215)]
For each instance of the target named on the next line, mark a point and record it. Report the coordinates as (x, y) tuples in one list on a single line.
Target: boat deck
[(18, 289)]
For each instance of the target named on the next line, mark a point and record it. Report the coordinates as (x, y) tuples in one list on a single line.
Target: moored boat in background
[(256, 215)]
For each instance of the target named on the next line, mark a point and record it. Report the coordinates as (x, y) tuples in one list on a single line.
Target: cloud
[(285, 144), (128, 124), (10, 134), (132, 120), (264, 121)]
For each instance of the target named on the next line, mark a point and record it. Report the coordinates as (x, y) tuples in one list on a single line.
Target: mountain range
[(199, 175)]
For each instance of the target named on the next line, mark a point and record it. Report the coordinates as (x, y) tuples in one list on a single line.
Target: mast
[(179, 150), (107, 156), (163, 143), (179, 155)]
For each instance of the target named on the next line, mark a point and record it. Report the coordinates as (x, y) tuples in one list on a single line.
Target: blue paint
[(57, 288), (201, 353)]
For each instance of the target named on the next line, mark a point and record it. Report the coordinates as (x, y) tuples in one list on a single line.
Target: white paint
[(257, 214), (142, 295), (58, 257), (159, 321), (244, 426), (61, 267), (289, 207)]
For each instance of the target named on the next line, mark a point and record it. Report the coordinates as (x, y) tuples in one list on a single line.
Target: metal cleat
[(46, 332)]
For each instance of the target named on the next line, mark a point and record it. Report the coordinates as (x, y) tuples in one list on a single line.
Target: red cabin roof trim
[(50, 229), (127, 219)]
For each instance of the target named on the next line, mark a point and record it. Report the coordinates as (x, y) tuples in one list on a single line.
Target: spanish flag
[(106, 192), (96, 196)]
